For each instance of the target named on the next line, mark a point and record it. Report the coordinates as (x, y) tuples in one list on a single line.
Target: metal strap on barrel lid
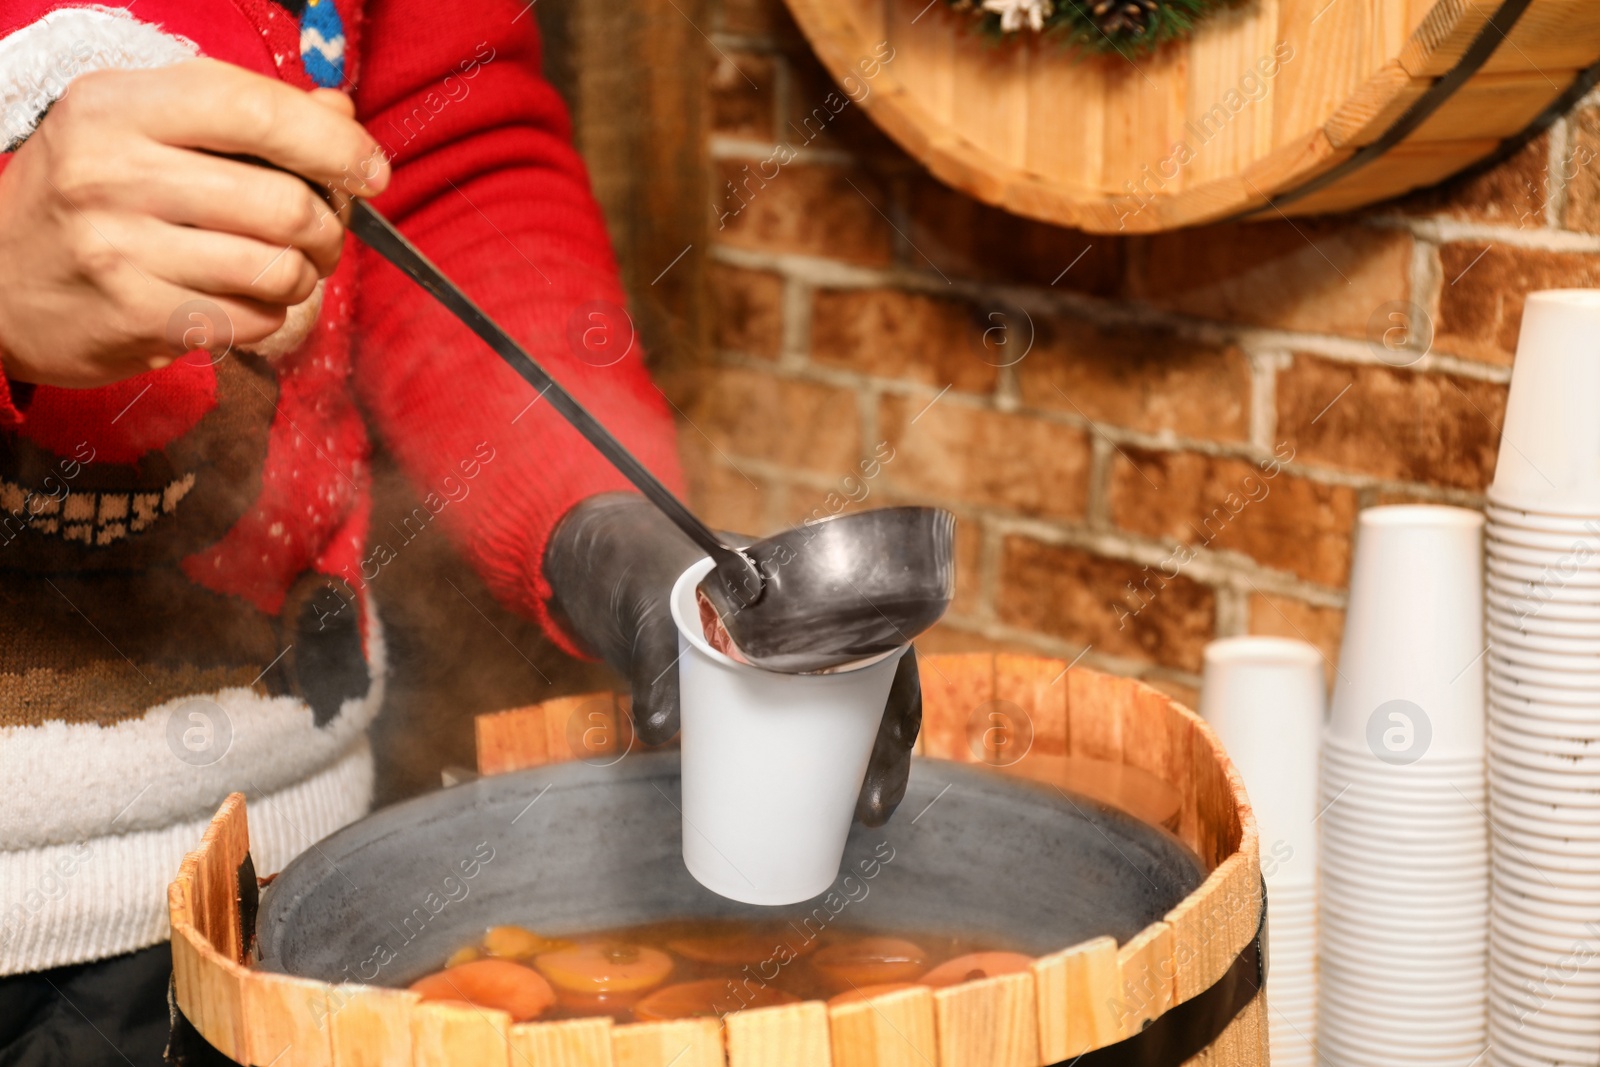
[(1497, 29), (1193, 1026)]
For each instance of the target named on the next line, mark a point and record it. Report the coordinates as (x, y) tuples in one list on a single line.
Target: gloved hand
[(611, 563)]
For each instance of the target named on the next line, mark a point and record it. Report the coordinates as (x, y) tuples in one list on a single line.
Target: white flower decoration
[(1013, 13)]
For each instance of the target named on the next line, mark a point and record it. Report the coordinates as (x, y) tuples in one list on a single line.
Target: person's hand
[(611, 564), (120, 209)]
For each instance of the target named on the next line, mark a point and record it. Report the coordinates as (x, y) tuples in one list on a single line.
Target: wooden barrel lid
[(1291, 106)]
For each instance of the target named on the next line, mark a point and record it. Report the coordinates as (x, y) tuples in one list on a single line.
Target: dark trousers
[(108, 1013)]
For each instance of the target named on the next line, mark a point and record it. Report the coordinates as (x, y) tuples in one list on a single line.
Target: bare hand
[(119, 210)]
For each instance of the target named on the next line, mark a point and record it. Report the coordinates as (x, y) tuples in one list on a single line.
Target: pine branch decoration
[(1126, 27)]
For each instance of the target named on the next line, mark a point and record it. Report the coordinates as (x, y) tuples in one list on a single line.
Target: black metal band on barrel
[(1497, 29), (1191, 1027)]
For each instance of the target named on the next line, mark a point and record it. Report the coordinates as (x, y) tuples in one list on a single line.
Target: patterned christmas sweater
[(185, 564)]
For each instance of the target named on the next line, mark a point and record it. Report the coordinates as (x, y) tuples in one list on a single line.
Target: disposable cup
[(1408, 680), (1519, 889), (1543, 786), (1378, 982), (1516, 690), (1536, 723), (1569, 819), (1438, 954), (1568, 556), (1403, 822), (772, 763), (1556, 859), (1434, 1032), (1347, 1001), (1545, 1012), (1548, 589), (1543, 840), (1550, 439), (1568, 676), (1580, 769), (1550, 1021), (1543, 941), (1355, 914), (1567, 973), (1549, 1017), (1549, 1045), (1522, 604), (1533, 624), (1503, 512), (1552, 570), (1368, 791), (1403, 818), (1350, 904), (1536, 627), (1578, 909), (1508, 1052), (1444, 870), (1554, 640), (1266, 699), (1360, 757), (1580, 540), (1516, 657), (1347, 990), (1351, 1047)]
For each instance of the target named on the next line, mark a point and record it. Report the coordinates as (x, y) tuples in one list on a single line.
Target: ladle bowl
[(843, 589)]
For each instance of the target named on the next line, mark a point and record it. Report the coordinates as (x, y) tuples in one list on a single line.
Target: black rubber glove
[(611, 563)]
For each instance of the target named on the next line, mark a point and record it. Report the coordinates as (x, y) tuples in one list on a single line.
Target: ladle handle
[(381, 236)]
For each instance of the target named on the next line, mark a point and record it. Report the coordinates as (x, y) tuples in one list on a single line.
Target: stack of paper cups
[(1543, 590), (1404, 838), (1265, 698)]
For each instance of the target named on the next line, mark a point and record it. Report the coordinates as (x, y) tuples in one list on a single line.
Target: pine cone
[(1123, 18)]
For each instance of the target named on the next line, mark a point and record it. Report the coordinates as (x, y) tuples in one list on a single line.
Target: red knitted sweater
[(178, 551)]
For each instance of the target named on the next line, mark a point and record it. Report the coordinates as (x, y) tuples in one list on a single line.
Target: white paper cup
[(1576, 641), (1266, 698), (772, 763), (1521, 604), (1582, 542), (1549, 588), (1410, 680), (1507, 515), (1516, 659), (1545, 574), (1515, 673), (1550, 440), (1582, 561), (1576, 770)]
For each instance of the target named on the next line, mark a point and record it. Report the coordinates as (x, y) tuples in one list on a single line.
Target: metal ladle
[(810, 598)]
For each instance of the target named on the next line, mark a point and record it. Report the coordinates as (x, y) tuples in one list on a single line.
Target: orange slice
[(710, 997), (855, 996), (975, 966), (870, 961), (593, 968), (501, 984), (463, 955), (739, 947), (518, 943)]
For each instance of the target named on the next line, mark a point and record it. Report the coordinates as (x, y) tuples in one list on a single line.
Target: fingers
[(217, 264), (889, 769), (249, 114), (655, 677), (212, 193)]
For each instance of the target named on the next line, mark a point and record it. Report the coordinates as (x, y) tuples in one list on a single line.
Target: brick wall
[(1149, 441)]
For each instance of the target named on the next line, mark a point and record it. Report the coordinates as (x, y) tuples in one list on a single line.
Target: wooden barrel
[(1025, 715), (1291, 106)]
